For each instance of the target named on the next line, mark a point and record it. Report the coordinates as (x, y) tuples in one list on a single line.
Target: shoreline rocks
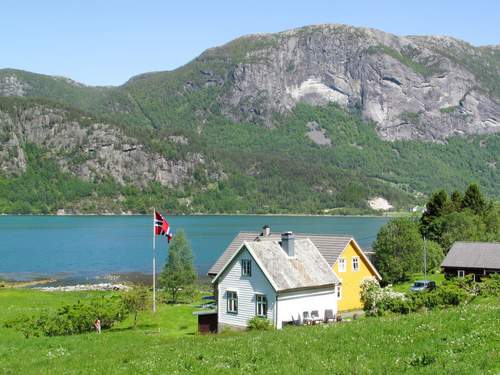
[(85, 287)]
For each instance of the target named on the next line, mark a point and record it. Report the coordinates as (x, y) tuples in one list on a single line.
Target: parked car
[(421, 285)]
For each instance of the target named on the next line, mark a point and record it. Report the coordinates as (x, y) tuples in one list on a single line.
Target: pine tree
[(179, 273), (438, 205), (474, 200)]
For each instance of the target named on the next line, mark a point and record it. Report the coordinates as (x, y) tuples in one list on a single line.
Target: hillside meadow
[(458, 340)]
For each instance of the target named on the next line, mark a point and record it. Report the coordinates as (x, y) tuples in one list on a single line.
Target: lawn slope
[(460, 340)]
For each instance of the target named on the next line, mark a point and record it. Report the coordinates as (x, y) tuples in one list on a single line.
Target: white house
[(279, 280)]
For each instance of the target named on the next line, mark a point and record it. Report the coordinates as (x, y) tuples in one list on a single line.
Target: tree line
[(401, 243)]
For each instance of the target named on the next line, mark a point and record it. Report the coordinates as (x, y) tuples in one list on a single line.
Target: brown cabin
[(472, 258)]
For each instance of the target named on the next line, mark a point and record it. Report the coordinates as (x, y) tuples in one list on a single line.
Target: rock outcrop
[(93, 151), (412, 87)]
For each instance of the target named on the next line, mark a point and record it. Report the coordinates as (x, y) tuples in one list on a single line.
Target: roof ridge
[(342, 235), (486, 242)]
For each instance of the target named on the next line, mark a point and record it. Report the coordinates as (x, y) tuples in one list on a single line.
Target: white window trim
[(257, 305), (249, 268), (352, 264), (343, 262), (227, 302), (461, 273)]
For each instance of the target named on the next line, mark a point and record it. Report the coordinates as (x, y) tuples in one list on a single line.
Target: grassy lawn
[(459, 340)]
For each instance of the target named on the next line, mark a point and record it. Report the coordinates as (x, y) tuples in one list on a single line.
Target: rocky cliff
[(412, 87), (85, 148)]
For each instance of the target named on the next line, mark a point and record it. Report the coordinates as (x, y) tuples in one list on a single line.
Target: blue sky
[(106, 42)]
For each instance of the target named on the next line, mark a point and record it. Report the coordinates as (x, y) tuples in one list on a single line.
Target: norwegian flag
[(162, 228)]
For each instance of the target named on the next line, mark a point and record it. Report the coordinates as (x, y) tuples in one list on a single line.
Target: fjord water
[(90, 246)]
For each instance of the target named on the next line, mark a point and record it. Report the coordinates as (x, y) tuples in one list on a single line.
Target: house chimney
[(266, 230), (288, 243)]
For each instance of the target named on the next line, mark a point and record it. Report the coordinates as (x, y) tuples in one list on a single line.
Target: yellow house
[(352, 267), (343, 254)]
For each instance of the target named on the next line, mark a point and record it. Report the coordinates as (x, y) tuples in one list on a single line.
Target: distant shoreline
[(384, 215), (47, 280)]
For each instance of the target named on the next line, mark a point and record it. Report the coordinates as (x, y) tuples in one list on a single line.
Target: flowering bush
[(377, 300)]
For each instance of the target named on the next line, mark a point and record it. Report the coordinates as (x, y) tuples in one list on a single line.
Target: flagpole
[(154, 261)]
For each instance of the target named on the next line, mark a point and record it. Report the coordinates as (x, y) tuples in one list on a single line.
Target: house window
[(355, 263), (342, 265), (246, 267), (261, 305), (461, 273), (232, 302), (339, 292)]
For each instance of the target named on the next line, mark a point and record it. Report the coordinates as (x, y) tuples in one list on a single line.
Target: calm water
[(88, 246)]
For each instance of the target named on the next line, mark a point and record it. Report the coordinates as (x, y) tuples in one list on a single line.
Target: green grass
[(460, 340), (404, 287), (422, 69)]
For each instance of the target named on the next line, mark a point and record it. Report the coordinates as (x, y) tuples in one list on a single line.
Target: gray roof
[(307, 269), (473, 255), (329, 246)]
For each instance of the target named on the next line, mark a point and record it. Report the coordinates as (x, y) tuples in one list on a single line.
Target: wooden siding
[(351, 280), (246, 287), (479, 273)]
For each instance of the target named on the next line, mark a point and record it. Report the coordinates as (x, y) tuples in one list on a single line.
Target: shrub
[(490, 286), (134, 302), (450, 294), (71, 319), (260, 324), (377, 300)]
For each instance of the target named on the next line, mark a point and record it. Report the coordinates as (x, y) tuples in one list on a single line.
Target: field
[(459, 340)]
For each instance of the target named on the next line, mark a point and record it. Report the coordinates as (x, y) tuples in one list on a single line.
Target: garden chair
[(315, 317), (329, 316), (306, 319)]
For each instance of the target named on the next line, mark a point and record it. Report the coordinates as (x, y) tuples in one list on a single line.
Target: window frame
[(357, 263), (264, 304), (244, 269), (342, 261), (461, 273), (234, 301)]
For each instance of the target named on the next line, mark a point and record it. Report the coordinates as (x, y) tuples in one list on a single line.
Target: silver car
[(421, 285)]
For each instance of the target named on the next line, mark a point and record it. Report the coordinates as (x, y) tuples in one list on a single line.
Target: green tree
[(179, 273), (134, 302), (456, 200), (399, 250), (474, 200), (438, 205)]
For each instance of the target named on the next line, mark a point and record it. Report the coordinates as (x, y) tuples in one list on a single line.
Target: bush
[(134, 302), (259, 324), (490, 286), (71, 319), (449, 294), (377, 300)]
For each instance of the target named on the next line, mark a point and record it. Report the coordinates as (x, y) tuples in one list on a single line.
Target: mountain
[(314, 119)]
